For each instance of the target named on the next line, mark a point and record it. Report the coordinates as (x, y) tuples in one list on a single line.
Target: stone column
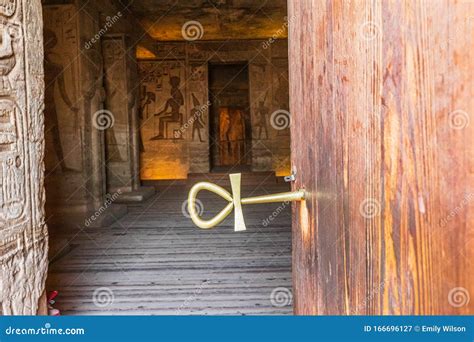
[(123, 149), (97, 121)]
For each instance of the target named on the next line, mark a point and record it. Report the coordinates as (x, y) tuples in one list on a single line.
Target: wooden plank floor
[(155, 261)]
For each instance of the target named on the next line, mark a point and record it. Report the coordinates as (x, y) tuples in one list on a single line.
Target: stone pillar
[(23, 232), (97, 121), (133, 95), (122, 144)]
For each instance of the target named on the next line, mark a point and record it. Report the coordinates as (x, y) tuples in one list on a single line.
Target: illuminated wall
[(175, 113)]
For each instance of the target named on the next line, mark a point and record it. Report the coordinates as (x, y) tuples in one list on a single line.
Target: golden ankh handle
[(235, 202)]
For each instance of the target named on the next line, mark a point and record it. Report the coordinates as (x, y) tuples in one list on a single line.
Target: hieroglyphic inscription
[(12, 124)]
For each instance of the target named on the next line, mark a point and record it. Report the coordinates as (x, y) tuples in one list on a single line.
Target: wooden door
[(231, 136), (381, 99)]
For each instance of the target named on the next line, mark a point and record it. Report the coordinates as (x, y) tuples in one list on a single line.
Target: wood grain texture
[(382, 134), (154, 261)]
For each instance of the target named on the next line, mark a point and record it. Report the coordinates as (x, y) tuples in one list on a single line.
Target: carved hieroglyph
[(23, 235)]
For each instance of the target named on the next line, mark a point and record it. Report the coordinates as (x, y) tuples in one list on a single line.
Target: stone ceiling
[(166, 20)]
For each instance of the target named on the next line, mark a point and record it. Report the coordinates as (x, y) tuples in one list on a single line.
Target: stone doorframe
[(23, 232)]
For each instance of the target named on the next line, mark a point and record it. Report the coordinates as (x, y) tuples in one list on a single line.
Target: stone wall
[(174, 151), (23, 233), (88, 109)]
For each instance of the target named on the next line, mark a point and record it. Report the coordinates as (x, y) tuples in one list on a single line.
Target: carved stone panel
[(269, 147), (23, 236), (163, 114)]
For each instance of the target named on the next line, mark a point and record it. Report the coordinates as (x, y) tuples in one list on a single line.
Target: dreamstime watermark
[(192, 30), (103, 297), (275, 213), (197, 204), (369, 208), (280, 119), (281, 297), (458, 119), (197, 114), (468, 198), (103, 119), (192, 297), (109, 22), (458, 297), (369, 30), (46, 330), (278, 33), (108, 201)]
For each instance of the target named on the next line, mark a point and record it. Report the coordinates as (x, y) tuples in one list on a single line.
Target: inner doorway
[(230, 126)]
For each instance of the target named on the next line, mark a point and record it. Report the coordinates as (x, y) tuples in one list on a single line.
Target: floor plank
[(154, 261)]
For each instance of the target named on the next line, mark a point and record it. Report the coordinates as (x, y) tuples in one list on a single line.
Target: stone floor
[(154, 261)]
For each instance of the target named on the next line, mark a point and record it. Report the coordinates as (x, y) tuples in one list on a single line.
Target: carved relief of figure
[(7, 55), (261, 119), (196, 114), (7, 7), (231, 136), (54, 76), (171, 112), (147, 98), (11, 168), (13, 189)]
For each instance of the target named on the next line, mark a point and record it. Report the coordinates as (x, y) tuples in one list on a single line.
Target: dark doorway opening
[(230, 129)]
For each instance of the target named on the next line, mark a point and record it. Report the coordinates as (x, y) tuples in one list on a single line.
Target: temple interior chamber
[(143, 99)]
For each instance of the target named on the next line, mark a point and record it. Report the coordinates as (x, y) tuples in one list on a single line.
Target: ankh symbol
[(235, 202)]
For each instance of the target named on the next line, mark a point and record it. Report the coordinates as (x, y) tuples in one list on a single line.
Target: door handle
[(235, 202)]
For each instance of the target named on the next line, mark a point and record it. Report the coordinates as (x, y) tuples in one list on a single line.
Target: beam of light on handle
[(235, 202)]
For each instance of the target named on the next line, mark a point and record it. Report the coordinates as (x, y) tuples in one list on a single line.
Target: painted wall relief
[(63, 125), (162, 107), (197, 113), (198, 102), (171, 113), (163, 114), (176, 117)]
